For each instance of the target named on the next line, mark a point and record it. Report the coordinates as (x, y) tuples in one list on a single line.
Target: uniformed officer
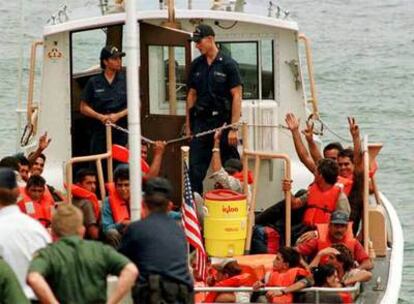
[(157, 245), (214, 98), (104, 99)]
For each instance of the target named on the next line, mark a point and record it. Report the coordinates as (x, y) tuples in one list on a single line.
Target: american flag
[(192, 226)]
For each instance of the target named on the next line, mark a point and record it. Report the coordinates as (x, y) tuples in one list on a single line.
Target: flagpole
[(134, 123)]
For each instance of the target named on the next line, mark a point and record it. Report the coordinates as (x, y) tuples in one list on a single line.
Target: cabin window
[(246, 54), (267, 64), (159, 82), (86, 49)]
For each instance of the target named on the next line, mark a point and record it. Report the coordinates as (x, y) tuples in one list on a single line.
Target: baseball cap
[(339, 217), (110, 51), (7, 178), (201, 31), (158, 185)]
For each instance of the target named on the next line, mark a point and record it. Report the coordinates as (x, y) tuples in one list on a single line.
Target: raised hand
[(353, 127), (308, 132), (44, 142), (292, 122), (159, 146)]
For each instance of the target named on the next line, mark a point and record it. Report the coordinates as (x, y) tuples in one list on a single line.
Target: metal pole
[(110, 167), (134, 123), (366, 194)]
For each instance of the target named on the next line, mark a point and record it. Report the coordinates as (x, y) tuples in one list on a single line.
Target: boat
[(267, 44)]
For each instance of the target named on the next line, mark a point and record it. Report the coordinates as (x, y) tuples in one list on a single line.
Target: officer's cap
[(7, 179), (158, 185), (111, 51), (202, 31)]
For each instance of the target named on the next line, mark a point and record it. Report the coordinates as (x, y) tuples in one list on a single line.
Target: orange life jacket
[(40, 210), (244, 279), (240, 177), (320, 204), (119, 207), (85, 194), (346, 297), (324, 240), (121, 154), (347, 183), (285, 279)]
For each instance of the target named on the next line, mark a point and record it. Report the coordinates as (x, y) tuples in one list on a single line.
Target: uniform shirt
[(105, 97), (213, 83), (20, 237), (157, 245), (310, 248), (76, 269), (10, 289)]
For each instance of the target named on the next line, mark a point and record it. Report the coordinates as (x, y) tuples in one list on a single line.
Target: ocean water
[(364, 67)]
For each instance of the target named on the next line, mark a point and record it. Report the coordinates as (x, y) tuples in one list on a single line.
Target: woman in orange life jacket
[(341, 258), (327, 276), (287, 272), (116, 215), (228, 273), (37, 201)]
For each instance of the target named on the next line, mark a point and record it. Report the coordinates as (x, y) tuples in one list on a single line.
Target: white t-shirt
[(20, 237)]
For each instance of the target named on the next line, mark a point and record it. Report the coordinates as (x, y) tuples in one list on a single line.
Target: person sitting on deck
[(341, 258), (287, 272), (228, 273), (229, 176), (116, 215), (73, 270), (338, 231), (85, 199), (36, 200)]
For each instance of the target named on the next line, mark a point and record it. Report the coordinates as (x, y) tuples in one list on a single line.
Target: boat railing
[(353, 290), (97, 158), (258, 156), (309, 62)]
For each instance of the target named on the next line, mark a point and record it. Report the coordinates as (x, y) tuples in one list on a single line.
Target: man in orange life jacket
[(336, 232), (116, 214), (287, 272), (36, 200), (85, 199)]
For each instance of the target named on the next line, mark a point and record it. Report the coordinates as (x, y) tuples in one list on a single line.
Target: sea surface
[(363, 55)]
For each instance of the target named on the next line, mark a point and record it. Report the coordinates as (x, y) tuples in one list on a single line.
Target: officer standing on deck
[(158, 247), (104, 100), (214, 98)]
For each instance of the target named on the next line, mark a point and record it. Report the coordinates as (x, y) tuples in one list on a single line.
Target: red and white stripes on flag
[(192, 226)]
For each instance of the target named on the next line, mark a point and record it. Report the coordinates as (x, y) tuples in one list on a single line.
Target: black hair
[(333, 146), (329, 169), (23, 161), (35, 180), (10, 162), (121, 173), (321, 274), (233, 165), (82, 173), (347, 153), (290, 256), (344, 256)]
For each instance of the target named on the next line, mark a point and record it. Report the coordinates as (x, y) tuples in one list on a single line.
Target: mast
[(134, 102)]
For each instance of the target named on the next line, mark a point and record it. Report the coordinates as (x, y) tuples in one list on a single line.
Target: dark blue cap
[(339, 217), (7, 178), (158, 185)]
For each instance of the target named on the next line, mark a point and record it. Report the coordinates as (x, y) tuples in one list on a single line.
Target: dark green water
[(364, 67)]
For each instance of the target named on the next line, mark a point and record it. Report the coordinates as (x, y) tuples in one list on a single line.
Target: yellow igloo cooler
[(225, 223)]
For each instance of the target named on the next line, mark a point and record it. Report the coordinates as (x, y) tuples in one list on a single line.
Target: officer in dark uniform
[(214, 98), (158, 247), (104, 99)]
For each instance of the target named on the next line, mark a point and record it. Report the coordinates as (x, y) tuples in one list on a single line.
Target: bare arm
[(356, 139), (87, 110), (44, 142), (360, 276), (191, 99), (293, 125), (291, 288), (125, 282), (40, 287), (236, 94), (313, 148), (366, 265), (114, 117), (326, 251), (216, 159), (159, 148)]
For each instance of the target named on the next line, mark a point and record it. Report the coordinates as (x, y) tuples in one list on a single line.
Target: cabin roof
[(87, 22)]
